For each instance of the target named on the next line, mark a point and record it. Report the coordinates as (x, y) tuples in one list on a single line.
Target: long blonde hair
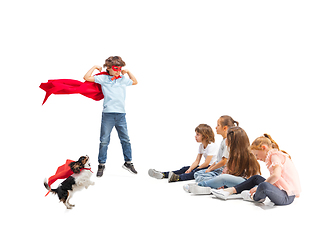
[(267, 140)]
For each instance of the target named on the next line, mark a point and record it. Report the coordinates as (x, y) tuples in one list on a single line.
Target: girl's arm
[(275, 175), (88, 76), (215, 166), (195, 164), (207, 162), (276, 171), (272, 178)]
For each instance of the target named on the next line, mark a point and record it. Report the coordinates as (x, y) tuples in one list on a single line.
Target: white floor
[(125, 206), (270, 65)]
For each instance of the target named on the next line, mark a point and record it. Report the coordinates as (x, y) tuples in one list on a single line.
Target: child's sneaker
[(172, 177), (247, 196), (100, 171), (155, 174), (187, 187), (220, 193), (195, 189), (129, 167)]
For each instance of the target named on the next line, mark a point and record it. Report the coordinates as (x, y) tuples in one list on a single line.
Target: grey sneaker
[(129, 167), (100, 171), (172, 177), (155, 174)]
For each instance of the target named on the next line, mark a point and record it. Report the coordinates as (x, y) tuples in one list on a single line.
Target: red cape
[(69, 86), (62, 172)]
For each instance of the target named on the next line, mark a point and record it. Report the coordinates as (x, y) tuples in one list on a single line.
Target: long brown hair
[(241, 161), (206, 132), (267, 140)]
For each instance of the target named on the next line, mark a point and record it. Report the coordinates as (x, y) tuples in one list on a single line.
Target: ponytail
[(226, 120), (266, 139)]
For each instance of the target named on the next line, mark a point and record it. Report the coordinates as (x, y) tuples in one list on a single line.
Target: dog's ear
[(75, 167), (83, 160)]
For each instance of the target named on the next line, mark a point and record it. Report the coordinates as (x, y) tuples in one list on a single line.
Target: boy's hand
[(124, 71), (88, 76), (99, 68), (131, 76)]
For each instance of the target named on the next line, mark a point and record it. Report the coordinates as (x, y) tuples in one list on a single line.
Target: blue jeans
[(265, 189), (117, 120), (203, 176), (185, 176), (222, 180)]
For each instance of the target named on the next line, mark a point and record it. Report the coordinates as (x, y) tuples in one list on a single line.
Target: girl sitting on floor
[(207, 148), (223, 124), (241, 165), (283, 184)]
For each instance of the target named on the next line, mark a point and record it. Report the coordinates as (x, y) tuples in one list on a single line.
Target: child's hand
[(99, 68), (124, 71), (253, 190)]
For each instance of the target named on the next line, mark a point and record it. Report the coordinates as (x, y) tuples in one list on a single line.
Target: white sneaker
[(195, 189), (155, 174), (187, 187), (220, 193), (247, 196)]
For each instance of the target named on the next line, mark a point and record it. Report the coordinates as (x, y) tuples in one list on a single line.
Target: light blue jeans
[(222, 180), (117, 120), (203, 176)]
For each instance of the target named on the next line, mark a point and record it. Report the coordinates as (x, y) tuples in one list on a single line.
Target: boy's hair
[(114, 61), (267, 140), (241, 160), (226, 120), (206, 132)]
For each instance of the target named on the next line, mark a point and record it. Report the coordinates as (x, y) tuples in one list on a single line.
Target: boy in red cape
[(110, 85), (114, 90)]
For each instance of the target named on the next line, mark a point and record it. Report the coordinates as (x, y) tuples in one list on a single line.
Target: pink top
[(289, 180)]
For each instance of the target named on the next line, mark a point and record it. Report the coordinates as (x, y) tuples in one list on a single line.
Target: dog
[(77, 181)]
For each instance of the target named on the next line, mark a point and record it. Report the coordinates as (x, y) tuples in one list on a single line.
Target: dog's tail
[(46, 185)]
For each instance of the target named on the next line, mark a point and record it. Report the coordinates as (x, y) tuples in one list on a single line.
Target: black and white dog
[(76, 182)]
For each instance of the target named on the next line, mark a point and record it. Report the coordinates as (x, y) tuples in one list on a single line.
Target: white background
[(268, 64)]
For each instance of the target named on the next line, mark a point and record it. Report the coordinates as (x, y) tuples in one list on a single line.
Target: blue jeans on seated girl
[(185, 176), (265, 189), (222, 180), (203, 176), (117, 120)]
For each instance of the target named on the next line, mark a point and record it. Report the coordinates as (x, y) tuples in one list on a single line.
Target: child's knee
[(263, 186)]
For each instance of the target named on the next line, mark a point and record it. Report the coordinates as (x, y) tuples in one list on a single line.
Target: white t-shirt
[(210, 150), (222, 152)]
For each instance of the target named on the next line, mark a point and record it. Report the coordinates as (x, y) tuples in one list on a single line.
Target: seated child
[(223, 124), (207, 148), (241, 164), (283, 184)]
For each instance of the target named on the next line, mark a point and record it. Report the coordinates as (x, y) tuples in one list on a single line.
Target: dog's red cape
[(63, 171), (69, 86)]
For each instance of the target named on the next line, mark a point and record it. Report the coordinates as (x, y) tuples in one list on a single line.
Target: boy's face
[(114, 70)]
